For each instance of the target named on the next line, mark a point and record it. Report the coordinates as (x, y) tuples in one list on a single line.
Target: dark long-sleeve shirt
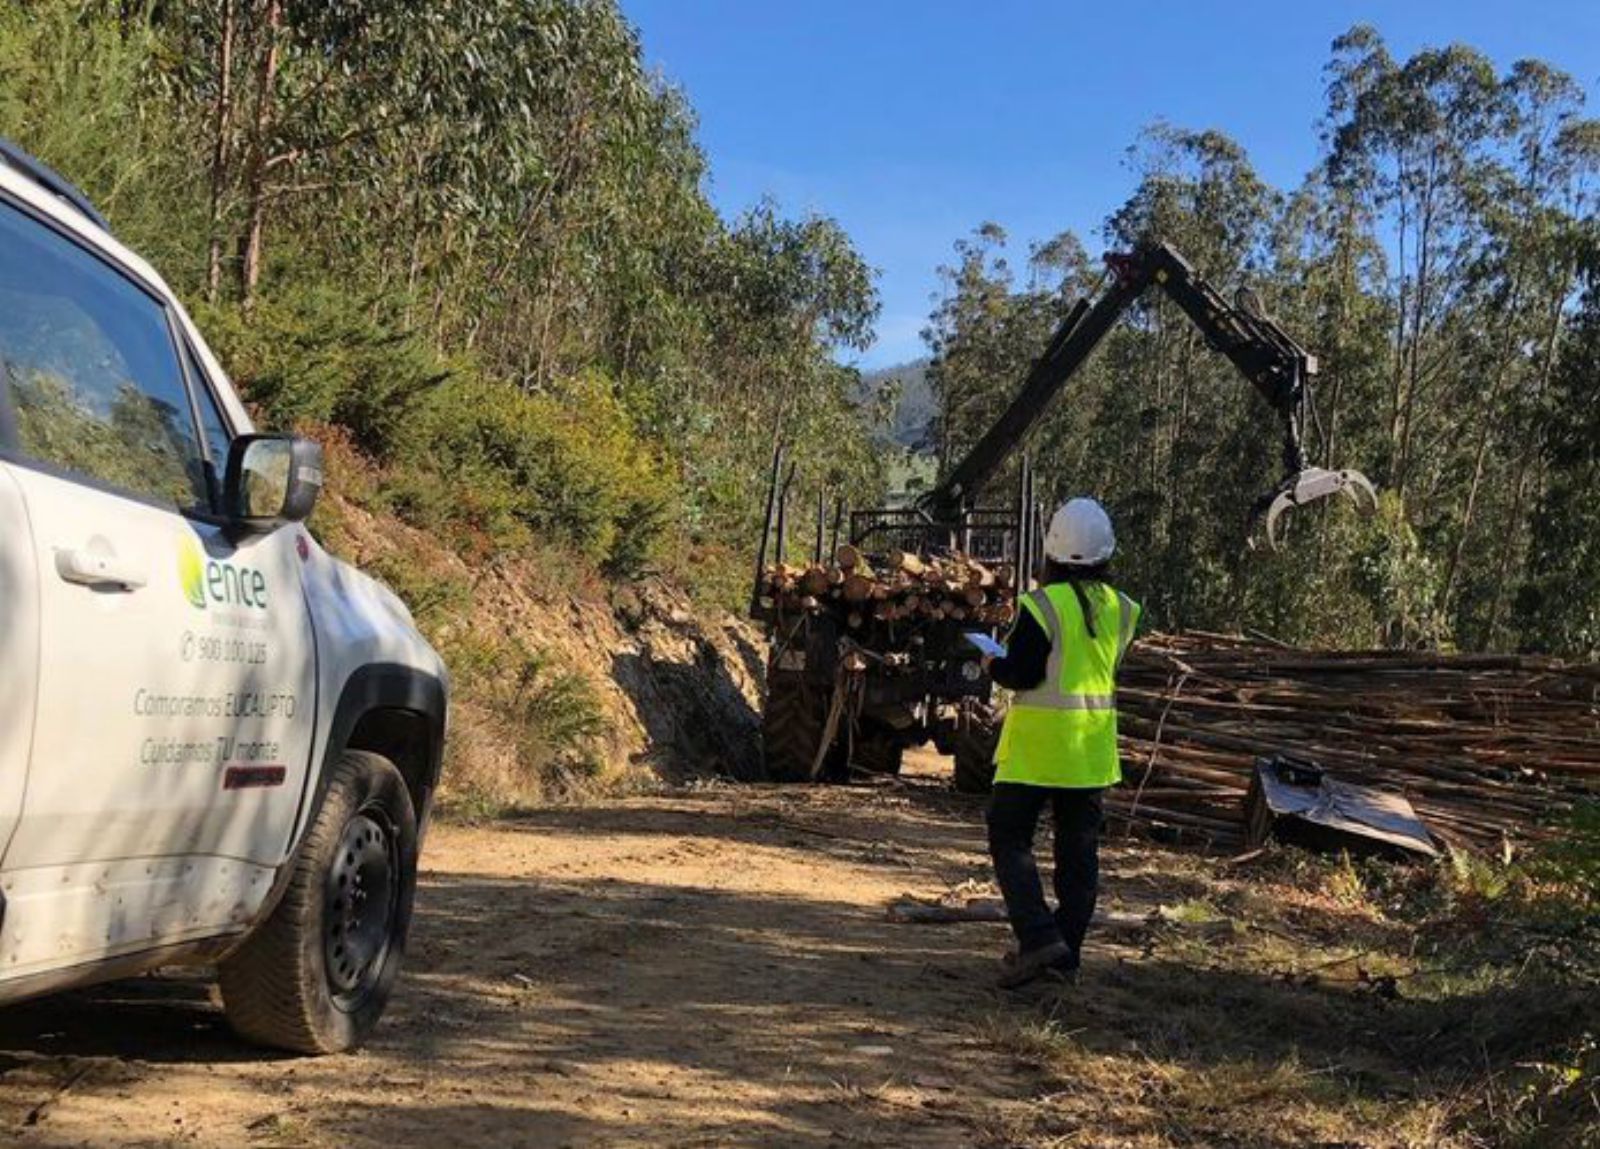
[(1027, 655)]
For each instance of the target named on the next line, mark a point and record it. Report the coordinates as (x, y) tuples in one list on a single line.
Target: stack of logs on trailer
[(887, 596)]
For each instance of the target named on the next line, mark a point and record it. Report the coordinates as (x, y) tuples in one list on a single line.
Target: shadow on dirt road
[(699, 969), (713, 967)]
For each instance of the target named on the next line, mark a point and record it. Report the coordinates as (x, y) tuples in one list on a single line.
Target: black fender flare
[(377, 686)]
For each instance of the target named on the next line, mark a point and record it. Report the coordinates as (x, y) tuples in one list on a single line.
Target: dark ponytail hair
[(1055, 572), (1075, 576)]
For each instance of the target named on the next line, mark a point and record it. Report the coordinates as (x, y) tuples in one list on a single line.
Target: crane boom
[(1277, 366)]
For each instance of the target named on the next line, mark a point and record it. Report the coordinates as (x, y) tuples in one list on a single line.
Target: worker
[(1058, 747)]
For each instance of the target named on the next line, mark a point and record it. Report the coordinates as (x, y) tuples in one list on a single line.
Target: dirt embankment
[(567, 678)]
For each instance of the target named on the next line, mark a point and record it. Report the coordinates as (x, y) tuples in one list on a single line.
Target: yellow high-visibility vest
[(1063, 732)]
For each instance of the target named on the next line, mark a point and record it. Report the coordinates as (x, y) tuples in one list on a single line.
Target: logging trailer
[(863, 664)]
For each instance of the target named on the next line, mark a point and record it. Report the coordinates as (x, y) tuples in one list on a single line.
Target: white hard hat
[(1080, 534)]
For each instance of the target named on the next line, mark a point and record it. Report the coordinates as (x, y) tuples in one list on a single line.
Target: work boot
[(1064, 972), (1019, 967)]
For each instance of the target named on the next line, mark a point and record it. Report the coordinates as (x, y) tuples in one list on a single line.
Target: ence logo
[(208, 582), (192, 573)]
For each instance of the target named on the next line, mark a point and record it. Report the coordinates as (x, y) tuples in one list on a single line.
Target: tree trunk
[(1484, 437), (222, 127), (1419, 322), (1488, 422), (1397, 384), (1529, 458), (255, 183), (1348, 287)]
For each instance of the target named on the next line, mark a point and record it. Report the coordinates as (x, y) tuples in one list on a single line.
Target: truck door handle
[(86, 568)]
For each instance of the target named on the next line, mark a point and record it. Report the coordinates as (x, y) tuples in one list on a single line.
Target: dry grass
[(1350, 1004)]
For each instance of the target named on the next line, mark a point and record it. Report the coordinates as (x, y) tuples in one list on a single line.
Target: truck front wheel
[(315, 976)]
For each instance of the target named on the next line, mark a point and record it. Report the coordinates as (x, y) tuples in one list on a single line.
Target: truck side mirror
[(272, 479)]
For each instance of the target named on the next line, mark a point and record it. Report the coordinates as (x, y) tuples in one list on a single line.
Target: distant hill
[(910, 422)]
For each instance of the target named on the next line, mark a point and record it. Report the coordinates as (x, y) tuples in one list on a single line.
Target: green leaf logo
[(192, 572)]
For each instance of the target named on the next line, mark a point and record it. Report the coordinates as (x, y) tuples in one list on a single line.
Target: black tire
[(315, 976), (878, 753), (975, 742), (791, 728)]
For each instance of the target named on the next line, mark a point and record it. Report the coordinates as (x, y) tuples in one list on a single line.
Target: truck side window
[(91, 368), (213, 427)]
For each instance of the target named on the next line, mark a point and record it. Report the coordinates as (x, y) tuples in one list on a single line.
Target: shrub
[(569, 470), (550, 712), (315, 353), (462, 454)]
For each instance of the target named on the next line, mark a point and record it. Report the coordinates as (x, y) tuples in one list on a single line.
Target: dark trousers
[(1014, 812)]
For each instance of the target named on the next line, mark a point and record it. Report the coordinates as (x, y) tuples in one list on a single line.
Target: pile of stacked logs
[(1487, 747), (894, 590)]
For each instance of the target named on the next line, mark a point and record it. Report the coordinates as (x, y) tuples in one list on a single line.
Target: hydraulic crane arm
[(1278, 367)]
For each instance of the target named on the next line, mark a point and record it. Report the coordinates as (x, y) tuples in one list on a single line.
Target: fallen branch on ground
[(915, 911)]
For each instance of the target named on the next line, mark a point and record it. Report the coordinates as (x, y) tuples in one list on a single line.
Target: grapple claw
[(1312, 484), (1354, 482)]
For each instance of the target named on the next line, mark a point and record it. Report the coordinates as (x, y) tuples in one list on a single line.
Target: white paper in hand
[(986, 644)]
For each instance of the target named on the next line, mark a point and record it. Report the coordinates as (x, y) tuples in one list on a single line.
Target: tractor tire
[(315, 975), (878, 753), (791, 727), (975, 741)]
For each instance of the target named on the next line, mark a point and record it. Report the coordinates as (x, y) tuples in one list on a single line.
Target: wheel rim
[(360, 909)]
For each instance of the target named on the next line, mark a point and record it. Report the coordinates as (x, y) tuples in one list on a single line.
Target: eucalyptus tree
[(1418, 138), (782, 299), (1198, 191), (1520, 286), (1558, 599)]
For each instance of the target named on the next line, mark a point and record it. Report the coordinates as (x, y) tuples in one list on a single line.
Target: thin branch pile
[(902, 589), (1485, 746)]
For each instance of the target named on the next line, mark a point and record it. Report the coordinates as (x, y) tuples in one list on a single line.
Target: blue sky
[(912, 121)]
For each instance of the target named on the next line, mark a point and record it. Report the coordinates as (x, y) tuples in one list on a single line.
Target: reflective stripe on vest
[(1055, 700), (1048, 695)]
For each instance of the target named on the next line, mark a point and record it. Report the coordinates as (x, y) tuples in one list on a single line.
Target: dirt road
[(706, 968), (713, 967)]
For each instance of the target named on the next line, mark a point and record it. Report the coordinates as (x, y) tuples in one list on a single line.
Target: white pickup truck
[(218, 744)]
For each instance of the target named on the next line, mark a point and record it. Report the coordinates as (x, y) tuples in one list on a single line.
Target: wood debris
[(1486, 746), (912, 910)]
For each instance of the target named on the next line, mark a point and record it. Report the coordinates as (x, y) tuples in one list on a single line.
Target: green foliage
[(1434, 262), (570, 470), (1475, 879), (80, 88), (1572, 858), (461, 450), (983, 333), (1399, 581), (473, 240), (1560, 595), (313, 353)]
